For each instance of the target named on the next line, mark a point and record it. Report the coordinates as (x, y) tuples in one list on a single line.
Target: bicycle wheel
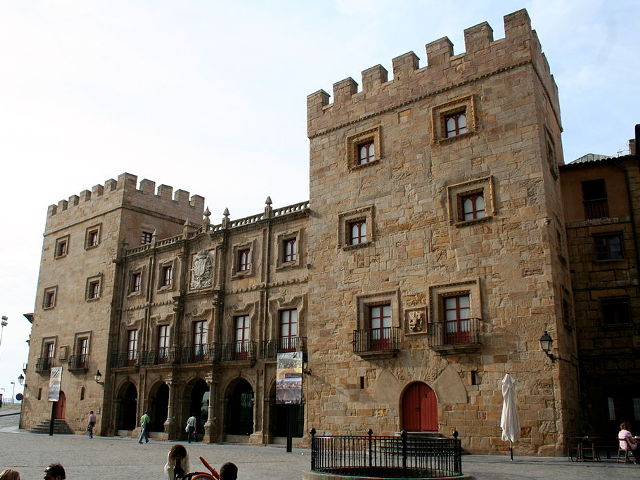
[(202, 476)]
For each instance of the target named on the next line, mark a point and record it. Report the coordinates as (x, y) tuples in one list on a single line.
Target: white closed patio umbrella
[(509, 420)]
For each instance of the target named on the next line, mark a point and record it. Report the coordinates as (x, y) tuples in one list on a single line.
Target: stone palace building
[(432, 255)]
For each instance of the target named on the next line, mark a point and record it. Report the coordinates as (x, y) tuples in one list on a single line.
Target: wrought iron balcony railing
[(238, 351), (78, 363), (376, 341), (44, 364), (124, 359), (204, 353), (455, 335), (160, 356), (271, 348), (596, 208)]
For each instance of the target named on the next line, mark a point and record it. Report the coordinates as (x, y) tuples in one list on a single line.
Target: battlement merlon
[(483, 56), (123, 192)]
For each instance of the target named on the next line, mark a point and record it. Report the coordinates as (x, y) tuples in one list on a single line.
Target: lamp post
[(545, 343), (4, 322), (13, 391)]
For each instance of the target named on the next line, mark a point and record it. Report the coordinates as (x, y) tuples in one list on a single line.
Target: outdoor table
[(584, 449)]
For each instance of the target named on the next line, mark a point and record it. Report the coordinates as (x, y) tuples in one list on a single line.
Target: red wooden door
[(420, 409), (61, 406)]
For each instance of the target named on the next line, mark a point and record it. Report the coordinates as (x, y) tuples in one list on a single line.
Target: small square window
[(145, 238), (609, 247), (244, 259), (454, 119), (357, 232), (93, 290), (62, 247), (355, 228), (92, 237), (49, 300), (455, 124), (615, 311), (166, 275), (471, 201), (364, 148)]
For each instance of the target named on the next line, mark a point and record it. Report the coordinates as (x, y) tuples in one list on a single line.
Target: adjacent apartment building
[(431, 257)]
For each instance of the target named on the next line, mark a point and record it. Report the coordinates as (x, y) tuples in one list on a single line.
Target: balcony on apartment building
[(44, 364), (455, 336), (270, 348), (78, 363), (377, 342)]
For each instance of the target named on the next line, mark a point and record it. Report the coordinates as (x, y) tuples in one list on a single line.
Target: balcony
[(44, 364), (124, 359), (204, 353), (377, 342), (271, 348), (78, 363), (596, 208), (454, 337), (243, 351), (160, 356)]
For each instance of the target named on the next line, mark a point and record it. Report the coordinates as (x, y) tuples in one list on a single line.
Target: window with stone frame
[(594, 199), (453, 119), (364, 148), (241, 337), (132, 347), (81, 358), (49, 298), (615, 311), (289, 249), (471, 201), (288, 335), (135, 282), (356, 228), (48, 353), (200, 339), (61, 247), (244, 259), (92, 237), (92, 291), (378, 322), (455, 317), (146, 237), (163, 343), (166, 276), (608, 246)]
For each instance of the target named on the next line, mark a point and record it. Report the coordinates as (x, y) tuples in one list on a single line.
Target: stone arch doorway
[(158, 407), (280, 415), (61, 407), (127, 401), (239, 401), (197, 397), (419, 408)]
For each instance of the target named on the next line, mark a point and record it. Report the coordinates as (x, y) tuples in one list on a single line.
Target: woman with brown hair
[(177, 465), (9, 474)]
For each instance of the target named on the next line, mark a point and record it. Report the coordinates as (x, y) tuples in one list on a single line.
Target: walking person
[(145, 419), (91, 422), (191, 428), (177, 465)]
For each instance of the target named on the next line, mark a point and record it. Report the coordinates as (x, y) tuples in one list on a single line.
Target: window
[(457, 310), (93, 290), (62, 247), (452, 120), (551, 154), (363, 149), (455, 124), (82, 352), (136, 282), (200, 338), (92, 237), (380, 326), (49, 350), (366, 153), (609, 247), (166, 275), (473, 206), (163, 344), (471, 201), (132, 347), (290, 248), (594, 199), (358, 232), (241, 337), (49, 300), (288, 330), (244, 259), (615, 311), (145, 238)]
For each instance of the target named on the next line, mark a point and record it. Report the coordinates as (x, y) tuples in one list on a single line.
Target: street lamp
[(21, 379), (4, 322), (13, 391), (545, 343)]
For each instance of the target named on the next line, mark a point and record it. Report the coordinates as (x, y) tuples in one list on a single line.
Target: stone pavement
[(118, 458)]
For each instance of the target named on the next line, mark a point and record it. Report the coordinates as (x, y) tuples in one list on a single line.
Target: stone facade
[(426, 265)]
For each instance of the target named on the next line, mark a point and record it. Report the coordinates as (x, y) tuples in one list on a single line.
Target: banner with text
[(54, 384), (289, 378)]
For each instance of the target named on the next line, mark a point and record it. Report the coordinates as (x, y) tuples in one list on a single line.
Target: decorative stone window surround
[(276, 305), (464, 104), (97, 229), (249, 310), (345, 219), (353, 142), (161, 268), (466, 287), (281, 239), (456, 192), (363, 302), (130, 291), (59, 244), (91, 281), (235, 271), (51, 292)]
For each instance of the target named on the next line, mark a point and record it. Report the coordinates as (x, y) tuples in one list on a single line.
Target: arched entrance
[(61, 407), (127, 407), (419, 408), (281, 414), (158, 407), (239, 401), (198, 401)]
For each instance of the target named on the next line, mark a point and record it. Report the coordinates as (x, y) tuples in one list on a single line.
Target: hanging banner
[(289, 378), (54, 384)]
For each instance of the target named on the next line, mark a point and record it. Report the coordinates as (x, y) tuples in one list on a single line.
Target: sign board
[(19, 396), (54, 384), (289, 378)]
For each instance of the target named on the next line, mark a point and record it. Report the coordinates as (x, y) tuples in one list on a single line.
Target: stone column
[(211, 425), (170, 421)]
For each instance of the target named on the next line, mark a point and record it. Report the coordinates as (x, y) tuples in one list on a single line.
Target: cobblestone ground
[(107, 458)]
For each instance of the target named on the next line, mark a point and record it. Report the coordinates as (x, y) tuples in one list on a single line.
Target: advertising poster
[(289, 378), (54, 384)]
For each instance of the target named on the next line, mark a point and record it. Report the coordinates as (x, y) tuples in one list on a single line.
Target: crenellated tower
[(439, 244)]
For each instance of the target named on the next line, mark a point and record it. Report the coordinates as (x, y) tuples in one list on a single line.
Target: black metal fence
[(455, 332), (376, 340), (401, 456)]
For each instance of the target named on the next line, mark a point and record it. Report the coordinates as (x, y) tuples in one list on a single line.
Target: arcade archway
[(127, 401), (239, 402)]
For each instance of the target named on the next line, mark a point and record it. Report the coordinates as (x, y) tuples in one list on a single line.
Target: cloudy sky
[(210, 97)]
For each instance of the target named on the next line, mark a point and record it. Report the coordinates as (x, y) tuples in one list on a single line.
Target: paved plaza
[(107, 458)]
